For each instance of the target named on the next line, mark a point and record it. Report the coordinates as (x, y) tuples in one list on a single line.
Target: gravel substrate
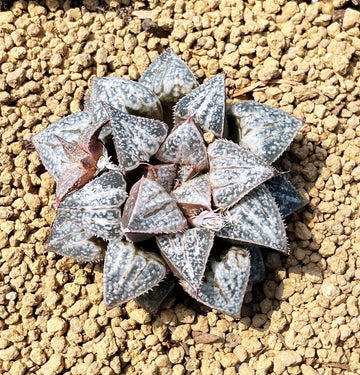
[(304, 319)]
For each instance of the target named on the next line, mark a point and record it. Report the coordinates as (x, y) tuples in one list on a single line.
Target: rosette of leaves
[(150, 197)]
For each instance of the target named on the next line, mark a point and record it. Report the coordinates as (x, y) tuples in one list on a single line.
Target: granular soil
[(304, 319)]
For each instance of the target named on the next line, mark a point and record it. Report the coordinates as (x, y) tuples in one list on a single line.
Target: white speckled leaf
[(256, 220), (169, 77), (129, 272), (234, 172), (136, 138), (206, 105), (194, 195), (264, 130), (49, 147), (152, 299), (185, 146), (150, 210), (125, 95), (164, 174), (96, 206), (224, 285), (68, 239), (286, 195), (187, 253)]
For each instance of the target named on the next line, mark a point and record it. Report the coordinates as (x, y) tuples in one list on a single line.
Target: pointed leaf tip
[(234, 172), (136, 139), (225, 282), (150, 210), (129, 272), (96, 206), (69, 239), (206, 105), (169, 77), (264, 130), (187, 253), (256, 220)]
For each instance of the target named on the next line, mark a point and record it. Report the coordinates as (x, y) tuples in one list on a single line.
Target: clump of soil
[(304, 319)]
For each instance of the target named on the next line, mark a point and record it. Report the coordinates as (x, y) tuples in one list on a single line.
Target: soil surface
[(304, 319)]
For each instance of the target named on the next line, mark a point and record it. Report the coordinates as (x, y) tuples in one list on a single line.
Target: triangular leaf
[(187, 253), (234, 172), (163, 174), (185, 146), (264, 130), (225, 281), (125, 95), (150, 210), (194, 196), (69, 239), (206, 105), (286, 195), (49, 147), (169, 77), (256, 220), (136, 138), (129, 272), (96, 206)]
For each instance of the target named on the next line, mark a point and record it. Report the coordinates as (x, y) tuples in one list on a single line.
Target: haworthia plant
[(148, 197)]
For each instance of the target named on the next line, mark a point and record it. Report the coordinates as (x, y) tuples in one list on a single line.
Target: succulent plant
[(147, 196)]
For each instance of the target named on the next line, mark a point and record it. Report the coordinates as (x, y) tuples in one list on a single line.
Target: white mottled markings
[(169, 77), (49, 146), (225, 281), (129, 272), (206, 105), (164, 174), (185, 146), (194, 195), (96, 206), (150, 210), (256, 220), (136, 138), (69, 239), (122, 94), (187, 253), (234, 172), (264, 130)]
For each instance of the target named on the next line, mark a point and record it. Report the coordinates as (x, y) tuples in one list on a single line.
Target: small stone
[(184, 314), (229, 360), (56, 325), (38, 356), (91, 328), (16, 78), (140, 315), (285, 290), (176, 354), (241, 353), (9, 354), (308, 370), (285, 359), (162, 361), (302, 231), (106, 348), (33, 201), (351, 18), (327, 248), (181, 332), (17, 368), (54, 365)]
